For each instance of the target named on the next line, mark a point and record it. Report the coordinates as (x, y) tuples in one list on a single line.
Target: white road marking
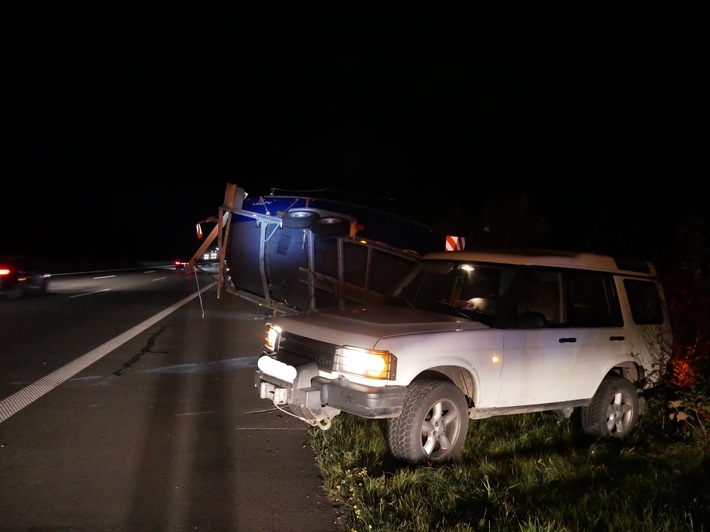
[(27, 395), (90, 293)]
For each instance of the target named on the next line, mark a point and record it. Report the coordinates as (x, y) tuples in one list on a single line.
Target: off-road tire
[(614, 409), (432, 426)]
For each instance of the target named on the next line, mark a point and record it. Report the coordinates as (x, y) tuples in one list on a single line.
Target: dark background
[(124, 121)]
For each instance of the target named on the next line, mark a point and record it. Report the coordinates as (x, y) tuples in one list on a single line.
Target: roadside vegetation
[(538, 472), (528, 472)]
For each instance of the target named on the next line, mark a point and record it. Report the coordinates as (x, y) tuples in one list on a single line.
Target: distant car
[(179, 265), (19, 277), (211, 254)]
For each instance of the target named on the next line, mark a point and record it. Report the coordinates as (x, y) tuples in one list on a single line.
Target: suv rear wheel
[(613, 411), (433, 424)]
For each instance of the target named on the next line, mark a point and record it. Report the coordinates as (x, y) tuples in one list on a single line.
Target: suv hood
[(363, 326)]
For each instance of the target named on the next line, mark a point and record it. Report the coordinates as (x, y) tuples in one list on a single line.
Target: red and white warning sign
[(455, 243)]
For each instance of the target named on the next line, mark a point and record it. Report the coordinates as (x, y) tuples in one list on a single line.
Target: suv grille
[(322, 353)]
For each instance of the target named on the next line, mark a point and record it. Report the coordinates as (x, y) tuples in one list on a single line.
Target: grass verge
[(528, 472)]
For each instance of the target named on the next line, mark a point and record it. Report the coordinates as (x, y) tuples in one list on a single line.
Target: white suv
[(470, 335)]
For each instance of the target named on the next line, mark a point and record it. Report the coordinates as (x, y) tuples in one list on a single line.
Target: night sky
[(124, 121)]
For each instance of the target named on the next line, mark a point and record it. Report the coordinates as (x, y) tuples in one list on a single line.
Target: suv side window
[(568, 298), (644, 302), (592, 300), (540, 293)]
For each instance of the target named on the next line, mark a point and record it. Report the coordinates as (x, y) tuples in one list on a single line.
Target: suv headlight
[(369, 363), (271, 341)]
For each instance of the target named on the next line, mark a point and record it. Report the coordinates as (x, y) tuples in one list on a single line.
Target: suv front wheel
[(433, 424), (613, 411)]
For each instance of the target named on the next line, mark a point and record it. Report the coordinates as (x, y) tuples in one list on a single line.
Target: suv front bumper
[(311, 391)]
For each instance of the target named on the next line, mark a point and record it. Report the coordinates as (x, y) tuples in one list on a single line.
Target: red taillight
[(4, 271)]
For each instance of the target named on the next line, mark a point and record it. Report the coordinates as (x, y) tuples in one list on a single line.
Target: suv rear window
[(644, 302)]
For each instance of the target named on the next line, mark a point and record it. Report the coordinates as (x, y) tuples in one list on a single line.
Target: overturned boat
[(294, 251)]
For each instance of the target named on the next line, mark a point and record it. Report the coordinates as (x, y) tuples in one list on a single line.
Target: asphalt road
[(164, 432)]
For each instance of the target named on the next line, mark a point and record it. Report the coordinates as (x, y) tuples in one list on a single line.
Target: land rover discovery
[(470, 335)]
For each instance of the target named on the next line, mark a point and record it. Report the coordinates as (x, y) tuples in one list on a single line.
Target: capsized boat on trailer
[(294, 251)]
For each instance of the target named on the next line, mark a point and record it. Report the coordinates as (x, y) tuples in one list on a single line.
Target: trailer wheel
[(433, 424), (331, 226), (300, 219)]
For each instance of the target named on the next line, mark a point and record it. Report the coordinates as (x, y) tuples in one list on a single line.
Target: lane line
[(90, 293), (27, 395)]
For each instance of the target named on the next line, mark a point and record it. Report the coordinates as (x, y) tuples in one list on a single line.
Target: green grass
[(531, 472)]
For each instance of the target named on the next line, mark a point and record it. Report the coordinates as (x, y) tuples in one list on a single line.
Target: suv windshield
[(476, 291)]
